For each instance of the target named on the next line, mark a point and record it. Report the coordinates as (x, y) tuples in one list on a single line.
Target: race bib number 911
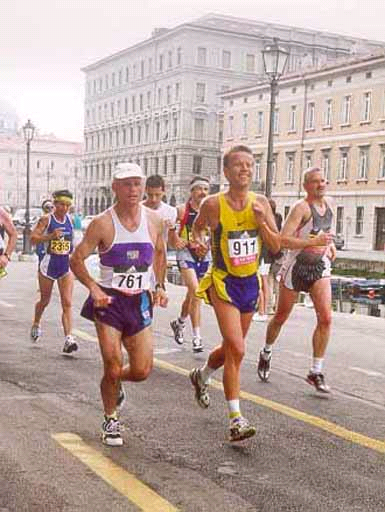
[(242, 248)]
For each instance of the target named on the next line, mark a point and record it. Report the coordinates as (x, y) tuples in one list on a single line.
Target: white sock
[(182, 320), (268, 348), (206, 373), (196, 331), (234, 410), (317, 365)]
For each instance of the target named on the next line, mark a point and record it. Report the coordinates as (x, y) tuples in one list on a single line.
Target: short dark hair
[(155, 181), (63, 193), (235, 149), (199, 178)]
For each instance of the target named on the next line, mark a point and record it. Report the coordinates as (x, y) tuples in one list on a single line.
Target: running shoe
[(264, 365), (197, 345), (178, 329), (318, 381), (111, 432), (36, 333), (70, 345), (201, 389), (121, 397), (240, 429)]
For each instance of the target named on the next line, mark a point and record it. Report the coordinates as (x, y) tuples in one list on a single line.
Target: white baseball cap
[(127, 170)]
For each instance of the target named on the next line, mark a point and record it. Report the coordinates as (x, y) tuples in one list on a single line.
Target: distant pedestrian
[(6, 248)]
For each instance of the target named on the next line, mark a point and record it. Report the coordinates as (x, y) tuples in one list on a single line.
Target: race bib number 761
[(131, 281)]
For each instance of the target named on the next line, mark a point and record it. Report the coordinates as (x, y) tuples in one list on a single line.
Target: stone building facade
[(332, 117), (159, 103)]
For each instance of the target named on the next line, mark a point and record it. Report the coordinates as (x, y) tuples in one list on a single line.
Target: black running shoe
[(318, 381), (264, 365), (70, 345)]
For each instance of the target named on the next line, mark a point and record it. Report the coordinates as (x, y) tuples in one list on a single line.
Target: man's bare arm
[(11, 233), (268, 228), (37, 234), (293, 222)]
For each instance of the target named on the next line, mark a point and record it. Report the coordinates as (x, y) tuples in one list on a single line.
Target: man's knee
[(324, 318), (44, 300), (66, 304), (112, 371), (235, 348), (141, 373)]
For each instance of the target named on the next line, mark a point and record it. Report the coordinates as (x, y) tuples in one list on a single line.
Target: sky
[(45, 43)]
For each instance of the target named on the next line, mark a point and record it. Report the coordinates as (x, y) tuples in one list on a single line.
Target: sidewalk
[(361, 255)]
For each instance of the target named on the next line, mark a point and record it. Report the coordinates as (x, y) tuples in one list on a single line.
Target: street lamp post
[(29, 131), (274, 61)]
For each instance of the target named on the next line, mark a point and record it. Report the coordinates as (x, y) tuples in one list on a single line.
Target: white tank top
[(127, 264)]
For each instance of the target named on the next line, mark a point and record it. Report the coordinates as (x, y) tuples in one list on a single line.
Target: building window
[(106, 81), (159, 96), (197, 164), (169, 61), (359, 220), (175, 128), (340, 220), (156, 165), (231, 126), (179, 56), (112, 110), (145, 166), (363, 163), (226, 59), (293, 119), (174, 164), (157, 131), (308, 160), (148, 99), (165, 129), (290, 167), (37, 164), (245, 123), (177, 91), (328, 113), (276, 121), (113, 80), (348, 79), (165, 164), (259, 123), (127, 74), (202, 55), (117, 138), (124, 136), (138, 134), (146, 131), (161, 62), (200, 92), (368, 74), (343, 167), (258, 164), (381, 173), (346, 109), (131, 135), (325, 165), (120, 77), (126, 105), (250, 63), (142, 69), (198, 129), (133, 104), (140, 102), (118, 108), (310, 116), (220, 130), (168, 92), (366, 107), (150, 66), (274, 168)]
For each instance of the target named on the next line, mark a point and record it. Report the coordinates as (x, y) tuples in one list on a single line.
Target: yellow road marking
[(123, 481), (315, 421)]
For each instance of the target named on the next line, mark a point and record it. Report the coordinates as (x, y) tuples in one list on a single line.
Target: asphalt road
[(310, 454)]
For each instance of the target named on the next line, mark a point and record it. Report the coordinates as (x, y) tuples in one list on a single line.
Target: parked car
[(19, 216), (339, 241)]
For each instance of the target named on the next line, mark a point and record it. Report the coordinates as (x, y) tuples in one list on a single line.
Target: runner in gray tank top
[(307, 267)]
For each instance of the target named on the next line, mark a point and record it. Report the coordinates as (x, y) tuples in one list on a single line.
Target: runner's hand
[(200, 248), (322, 239), (259, 212), (3, 261), (160, 297), (180, 244), (57, 233), (101, 299)]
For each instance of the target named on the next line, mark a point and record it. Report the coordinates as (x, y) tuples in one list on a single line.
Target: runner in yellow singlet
[(239, 220)]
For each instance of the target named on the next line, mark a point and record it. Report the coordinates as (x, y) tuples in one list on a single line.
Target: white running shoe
[(240, 429), (197, 345), (70, 345), (111, 432), (35, 333), (178, 330)]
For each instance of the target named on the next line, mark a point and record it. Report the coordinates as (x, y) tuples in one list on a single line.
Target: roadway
[(310, 454)]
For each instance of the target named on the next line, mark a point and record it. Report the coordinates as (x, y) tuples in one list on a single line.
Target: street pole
[(270, 154), (27, 227), (29, 130)]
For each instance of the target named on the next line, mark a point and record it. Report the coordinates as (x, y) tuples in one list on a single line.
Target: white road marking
[(369, 373)]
